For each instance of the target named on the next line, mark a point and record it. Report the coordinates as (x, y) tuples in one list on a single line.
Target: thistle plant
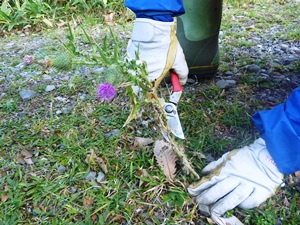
[(113, 76), (60, 60), (119, 72)]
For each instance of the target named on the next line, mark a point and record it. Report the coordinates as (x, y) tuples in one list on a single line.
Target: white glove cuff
[(263, 155), (147, 30)]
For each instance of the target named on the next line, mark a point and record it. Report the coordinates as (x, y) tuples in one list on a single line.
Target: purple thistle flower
[(106, 92)]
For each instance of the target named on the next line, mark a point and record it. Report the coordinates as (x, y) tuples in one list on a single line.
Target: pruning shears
[(170, 107)]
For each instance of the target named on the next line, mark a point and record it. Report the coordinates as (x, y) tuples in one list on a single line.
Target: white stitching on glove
[(244, 177), (152, 39)]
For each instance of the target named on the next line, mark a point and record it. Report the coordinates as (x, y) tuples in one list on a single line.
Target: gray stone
[(228, 73), (81, 97), (254, 49), (83, 70), (114, 132), (61, 99), (284, 47), (98, 70), (65, 78), (279, 78), (100, 177), (72, 189), (253, 68), (223, 84), (287, 61), (47, 77), (67, 110), (91, 176), (61, 169), (50, 88), (295, 49), (27, 94), (264, 75)]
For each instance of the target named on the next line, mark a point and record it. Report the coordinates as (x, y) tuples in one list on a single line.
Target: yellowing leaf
[(92, 158), (117, 219), (47, 22), (135, 106), (166, 158)]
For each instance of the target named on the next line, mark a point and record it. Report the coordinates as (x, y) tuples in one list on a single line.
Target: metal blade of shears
[(170, 108)]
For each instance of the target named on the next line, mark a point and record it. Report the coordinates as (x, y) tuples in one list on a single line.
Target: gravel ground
[(268, 59)]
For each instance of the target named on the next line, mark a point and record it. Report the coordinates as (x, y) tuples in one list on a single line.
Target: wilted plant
[(120, 72)]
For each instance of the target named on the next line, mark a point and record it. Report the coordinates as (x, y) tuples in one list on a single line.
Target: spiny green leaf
[(135, 105)]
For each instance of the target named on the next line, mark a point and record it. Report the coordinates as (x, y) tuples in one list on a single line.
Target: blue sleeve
[(280, 128), (162, 10)]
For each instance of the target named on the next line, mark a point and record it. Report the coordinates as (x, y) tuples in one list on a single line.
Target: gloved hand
[(156, 44), (244, 177)]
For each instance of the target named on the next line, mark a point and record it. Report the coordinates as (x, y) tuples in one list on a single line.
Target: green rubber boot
[(198, 33)]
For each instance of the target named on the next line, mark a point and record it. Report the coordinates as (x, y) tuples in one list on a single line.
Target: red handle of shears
[(175, 82)]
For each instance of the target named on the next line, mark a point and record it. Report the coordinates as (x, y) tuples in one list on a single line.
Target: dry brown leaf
[(286, 202), (142, 173), (26, 154), (166, 158), (92, 158), (210, 221), (94, 218), (290, 179), (297, 174), (61, 24), (43, 208), (32, 174), (109, 19), (102, 164), (87, 202), (118, 218), (28, 161), (143, 141), (19, 159), (4, 198)]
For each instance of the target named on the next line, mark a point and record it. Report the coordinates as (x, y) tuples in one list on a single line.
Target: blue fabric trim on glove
[(157, 7), (280, 128), (162, 18)]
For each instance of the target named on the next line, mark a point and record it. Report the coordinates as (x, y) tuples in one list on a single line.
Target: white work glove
[(244, 177), (156, 44)]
